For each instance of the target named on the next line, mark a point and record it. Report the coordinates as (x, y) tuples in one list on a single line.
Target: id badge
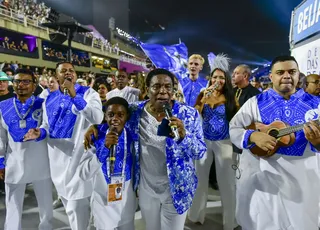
[(115, 189)]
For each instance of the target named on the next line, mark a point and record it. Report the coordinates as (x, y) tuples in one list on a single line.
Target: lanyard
[(28, 111), (109, 173)]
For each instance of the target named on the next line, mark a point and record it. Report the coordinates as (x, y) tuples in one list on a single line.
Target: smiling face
[(65, 71), (219, 77), (160, 90), (23, 85), (116, 116), (285, 77)]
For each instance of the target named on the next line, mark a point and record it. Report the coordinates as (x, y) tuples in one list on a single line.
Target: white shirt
[(129, 93), (154, 176)]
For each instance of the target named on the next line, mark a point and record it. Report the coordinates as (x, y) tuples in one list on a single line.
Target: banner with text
[(306, 20), (308, 57)]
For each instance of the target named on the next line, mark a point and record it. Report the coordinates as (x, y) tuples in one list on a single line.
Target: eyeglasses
[(315, 82), (24, 82)]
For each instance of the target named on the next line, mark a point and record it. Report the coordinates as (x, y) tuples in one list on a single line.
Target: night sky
[(249, 31)]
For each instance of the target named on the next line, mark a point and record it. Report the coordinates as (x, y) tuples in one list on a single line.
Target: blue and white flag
[(173, 58)]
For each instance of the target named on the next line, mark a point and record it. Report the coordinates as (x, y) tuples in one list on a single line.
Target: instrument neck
[(293, 129)]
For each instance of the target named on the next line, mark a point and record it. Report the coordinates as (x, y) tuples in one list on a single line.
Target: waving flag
[(173, 58)]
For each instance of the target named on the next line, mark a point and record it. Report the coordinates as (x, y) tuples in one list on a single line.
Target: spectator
[(5, 43), (53, 84), (13, 46), (256, 83), (313, 84), (82, 82), (25, 47), (9, 72), (43, 82), (4, 87), (302, 81), (123, 90), (102, 87)]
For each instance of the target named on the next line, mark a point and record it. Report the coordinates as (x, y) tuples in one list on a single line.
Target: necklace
[(22, 121), (154, 112)]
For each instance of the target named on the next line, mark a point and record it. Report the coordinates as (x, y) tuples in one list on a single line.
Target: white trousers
[(160, 215), (224, 159), (14, 204), (78, 212), (128, 226)]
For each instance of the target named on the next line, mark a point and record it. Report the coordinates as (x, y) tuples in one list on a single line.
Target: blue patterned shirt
[(215, 123), (300, 108), (180, 155), (103, 154), (61, 118), (11, 118), (191, 89)]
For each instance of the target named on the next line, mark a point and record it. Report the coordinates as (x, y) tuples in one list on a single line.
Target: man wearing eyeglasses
[(21, 161), (68, 113), (313, 84), (123, 90)]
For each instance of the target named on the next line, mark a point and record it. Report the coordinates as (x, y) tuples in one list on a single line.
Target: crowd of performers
[(109, 155)]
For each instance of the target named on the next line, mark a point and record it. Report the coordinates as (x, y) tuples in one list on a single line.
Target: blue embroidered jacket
[(180, 155), (103, 153), (299, 109), (61, 119), (191, 89), (215, 123)]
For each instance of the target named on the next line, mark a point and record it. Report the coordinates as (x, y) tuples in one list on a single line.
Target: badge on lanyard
[(115, 189)]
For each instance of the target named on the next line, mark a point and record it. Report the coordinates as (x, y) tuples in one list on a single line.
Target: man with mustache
[(163, 165), (313, 84), (281, 191), (68, 113)]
